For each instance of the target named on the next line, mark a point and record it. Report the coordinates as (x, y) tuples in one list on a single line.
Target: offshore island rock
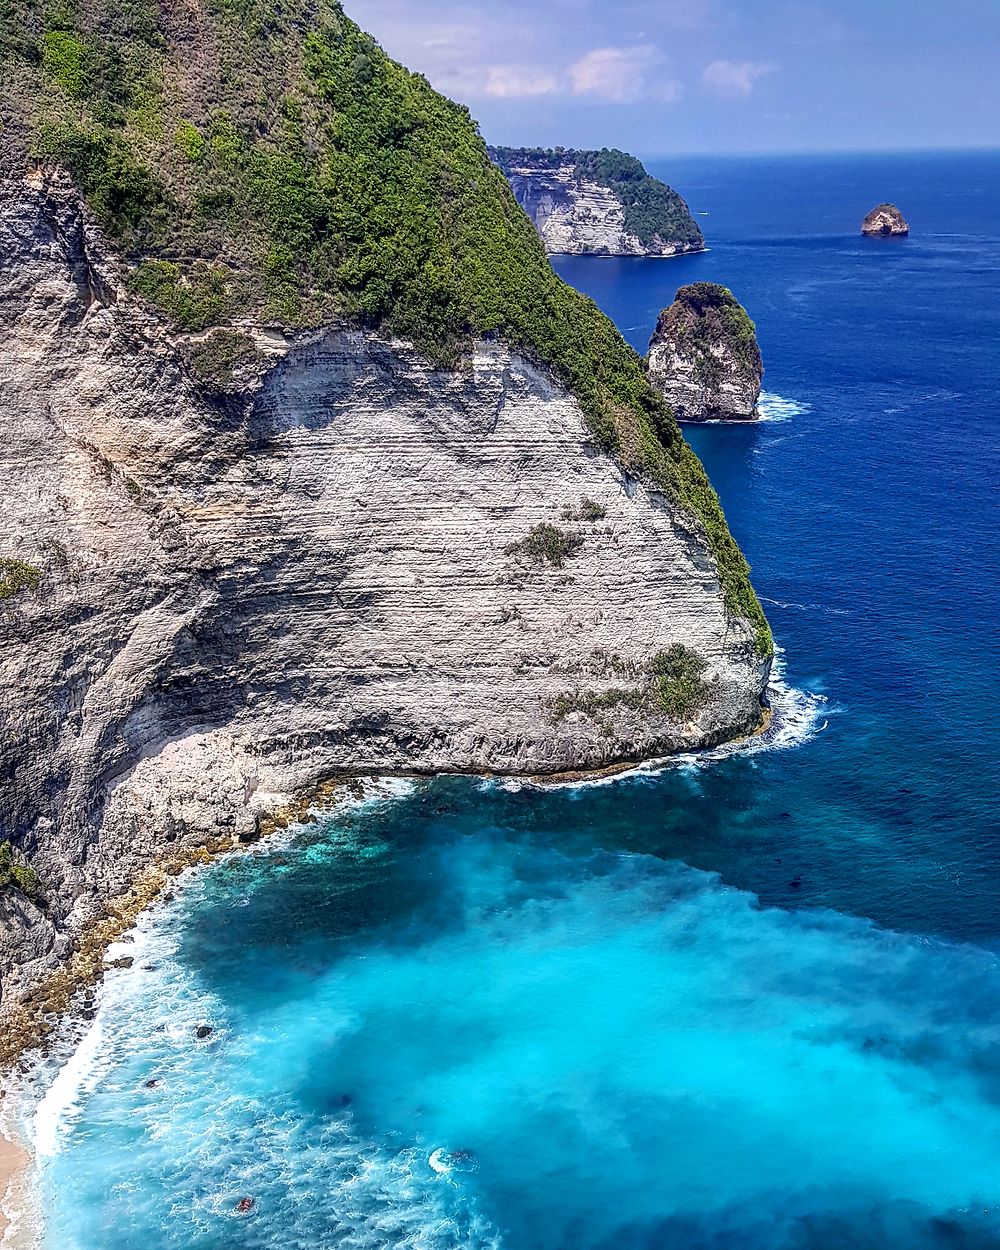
[(885, 220), (704, 358)]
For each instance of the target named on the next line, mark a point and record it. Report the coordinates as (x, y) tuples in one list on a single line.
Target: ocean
[(751, 1000)]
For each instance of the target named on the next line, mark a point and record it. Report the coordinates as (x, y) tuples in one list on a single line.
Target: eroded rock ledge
[(316, 564)]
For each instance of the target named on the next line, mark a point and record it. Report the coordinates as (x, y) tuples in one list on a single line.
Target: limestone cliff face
[(704, 358), (883, 220), (577, 214), (321, 568)]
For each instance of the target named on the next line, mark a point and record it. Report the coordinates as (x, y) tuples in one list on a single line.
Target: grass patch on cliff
[(589, 511), (547, 544), (672, 683), (680, 687), (215, 359), (17, 576), (309, 179)]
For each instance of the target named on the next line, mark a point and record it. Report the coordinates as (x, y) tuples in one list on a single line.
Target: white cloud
[(511, 82), (623, 75), (733, 80)]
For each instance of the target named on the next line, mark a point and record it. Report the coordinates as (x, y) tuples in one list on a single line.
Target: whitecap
[(436, 1160), (805, 607), (64, 1096)]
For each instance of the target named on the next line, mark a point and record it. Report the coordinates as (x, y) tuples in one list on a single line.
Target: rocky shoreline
[(30, 1023), (68, 994)]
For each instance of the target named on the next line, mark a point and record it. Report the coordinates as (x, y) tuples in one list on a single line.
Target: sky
[(667, 76)]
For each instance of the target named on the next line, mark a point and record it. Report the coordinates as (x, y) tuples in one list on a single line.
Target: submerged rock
[(884, 220), (704, 358), (203, 1031)]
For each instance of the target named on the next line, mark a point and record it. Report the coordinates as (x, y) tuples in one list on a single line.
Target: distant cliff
[(704, 358), (598, 203)]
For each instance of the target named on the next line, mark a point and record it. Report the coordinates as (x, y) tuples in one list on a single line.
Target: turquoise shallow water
[(751, 1002)]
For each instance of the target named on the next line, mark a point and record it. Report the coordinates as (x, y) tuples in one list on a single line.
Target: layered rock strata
[(324, 560), (704, 357)]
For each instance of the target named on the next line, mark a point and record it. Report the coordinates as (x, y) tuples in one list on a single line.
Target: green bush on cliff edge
[(18, 875), (329, 183)]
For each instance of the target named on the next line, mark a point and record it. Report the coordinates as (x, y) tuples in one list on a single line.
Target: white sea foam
[(20, 1205), (63, 1097), (778, 408), (806, 607), (59, 1083), (364, 792)]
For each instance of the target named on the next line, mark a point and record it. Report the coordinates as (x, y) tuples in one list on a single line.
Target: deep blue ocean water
[(746, 1003)]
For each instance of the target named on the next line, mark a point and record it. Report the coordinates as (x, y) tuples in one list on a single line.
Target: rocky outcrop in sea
[(598, 203), (704, 358), (884, 220)]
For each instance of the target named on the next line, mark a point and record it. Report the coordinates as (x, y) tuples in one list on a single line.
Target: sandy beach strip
[(14, 1161)]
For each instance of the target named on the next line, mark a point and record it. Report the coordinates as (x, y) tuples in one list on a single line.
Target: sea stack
[(885, 220), (704, 358)]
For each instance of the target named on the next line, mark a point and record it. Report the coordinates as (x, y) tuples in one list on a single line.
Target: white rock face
[(725, 396), (314, 575), (575, 216), (885, 219), (703, 367)]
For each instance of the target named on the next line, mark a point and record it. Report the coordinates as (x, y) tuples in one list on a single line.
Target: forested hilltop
[(265, 158), (652, 209)]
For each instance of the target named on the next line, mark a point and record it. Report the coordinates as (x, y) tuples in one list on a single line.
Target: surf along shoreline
[(67, 996), (16, 1231), (28, 1025)]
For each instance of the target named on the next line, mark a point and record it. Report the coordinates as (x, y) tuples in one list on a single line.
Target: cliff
[(885, 219), (598, 203), (704, 358), (312, 465)]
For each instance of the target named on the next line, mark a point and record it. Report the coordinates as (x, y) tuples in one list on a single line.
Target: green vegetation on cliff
[(671, 683), (14, 873), (681, 690), (708, 315), (266, 157), (17, 575), (652, 209)]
